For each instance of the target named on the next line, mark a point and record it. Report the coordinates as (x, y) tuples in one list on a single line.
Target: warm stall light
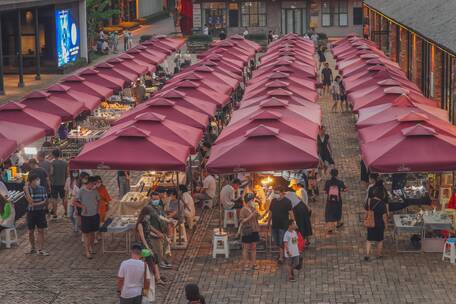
[(266, 181), (30, 151)]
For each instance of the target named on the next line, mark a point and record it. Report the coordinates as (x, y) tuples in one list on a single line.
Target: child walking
[(290, 244)]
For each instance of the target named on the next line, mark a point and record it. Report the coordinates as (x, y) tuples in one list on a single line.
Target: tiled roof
[(433, 19)]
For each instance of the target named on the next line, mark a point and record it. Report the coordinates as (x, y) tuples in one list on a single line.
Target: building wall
[(149, 7)]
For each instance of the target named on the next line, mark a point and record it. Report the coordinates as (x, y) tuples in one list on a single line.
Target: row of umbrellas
[(276, 125), (400, 129), (41, 112), (162, 132)]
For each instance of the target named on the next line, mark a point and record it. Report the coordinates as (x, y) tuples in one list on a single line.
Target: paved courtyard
[(333, 269)]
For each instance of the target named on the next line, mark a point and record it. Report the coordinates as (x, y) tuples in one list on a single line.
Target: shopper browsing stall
[(301, 209), (376, 229), (58, 174), (229, 195), (249, 229), (290, 243), (333, 210)]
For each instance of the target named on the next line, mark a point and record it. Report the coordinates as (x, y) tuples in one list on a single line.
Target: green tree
[(97, 12)]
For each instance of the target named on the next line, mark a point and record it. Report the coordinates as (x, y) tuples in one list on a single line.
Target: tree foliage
[(97, 12)]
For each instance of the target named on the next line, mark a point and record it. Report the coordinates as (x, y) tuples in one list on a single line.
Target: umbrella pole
[(220, 203), (190, 173)]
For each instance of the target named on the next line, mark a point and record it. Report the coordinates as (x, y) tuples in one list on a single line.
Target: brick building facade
[(420, 37)]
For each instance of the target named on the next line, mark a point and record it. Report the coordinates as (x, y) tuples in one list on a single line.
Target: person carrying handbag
[(375, 222), (248, 230)]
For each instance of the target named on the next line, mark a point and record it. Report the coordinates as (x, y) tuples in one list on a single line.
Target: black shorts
[(327, 82), (36, 219), (90, 223), (57, 191), (254, 237)]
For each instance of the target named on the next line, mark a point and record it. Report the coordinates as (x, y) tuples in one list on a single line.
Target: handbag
[(369, 220)]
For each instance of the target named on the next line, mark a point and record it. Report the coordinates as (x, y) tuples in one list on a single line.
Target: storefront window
[(214, 16), (334, 13), (343, 13), (326, 13), (253, 14)]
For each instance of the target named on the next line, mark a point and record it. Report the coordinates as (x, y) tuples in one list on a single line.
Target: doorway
[(294, 20)]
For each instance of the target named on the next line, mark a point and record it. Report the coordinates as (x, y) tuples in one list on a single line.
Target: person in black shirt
[(222, 35), (327, 79), (321, 56), (270, 37), (281, 210), (41, 173), (333, 210), (376, 234)]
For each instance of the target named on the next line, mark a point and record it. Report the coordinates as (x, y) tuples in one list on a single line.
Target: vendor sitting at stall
[(229, 196), (189, 206), (176, 206), (208, 190)]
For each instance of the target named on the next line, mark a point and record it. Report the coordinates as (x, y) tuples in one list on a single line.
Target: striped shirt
[(38, 195)]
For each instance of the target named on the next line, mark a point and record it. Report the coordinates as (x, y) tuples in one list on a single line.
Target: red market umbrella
[(206, 72), (414, 149), (228, 54), (281, 94), (135, 149), (391, 111), (7, 147), (171, 110), (304, 70), (286, 124), (310, 114), (22, 135), (161, 127), (245, 43), (379, 131), (263, 149), (78, 83), (301, 91), (157, 44), (221, 67), (121, 66), (370, 77), (108, 69), (223, 59), (197, 89), (282, 76), (154, 52), (138, 65), (66, 109), (104, 80), (89, 102), (19, 113), (234, 47), (148, 57), (189, 102), (174, 43)]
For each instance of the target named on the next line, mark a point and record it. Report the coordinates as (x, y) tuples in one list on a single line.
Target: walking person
[(88, 200), (270, 37), (343, 96), (327, 78), (301, 209), (192, 294), (290, 243), (321, 56), (36, 197), (335, 94), (123, 181), (324, 150), (43, 162), (133, 278), (333, 210), (126, 34), (130, 40), (375, 233), (71, 188), (115, 42), (41, 173), (58, 175), (249, 229)]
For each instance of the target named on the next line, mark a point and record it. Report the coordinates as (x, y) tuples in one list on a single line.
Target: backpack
[(333, 194)]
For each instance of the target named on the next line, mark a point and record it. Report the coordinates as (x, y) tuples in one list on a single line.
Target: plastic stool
[(9, 236), (220, 244), (208, 204), (230, 218), (183, 233), (449, 250)]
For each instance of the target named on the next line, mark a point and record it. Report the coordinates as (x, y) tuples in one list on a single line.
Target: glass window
[(253, 14), (326, 13), (334, 13), (343, 13)]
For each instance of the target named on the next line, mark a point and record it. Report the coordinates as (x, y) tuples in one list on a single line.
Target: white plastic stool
[(220, 244), (208, 204), (183, 233), (449, 250), (8, 237), (230, 218)]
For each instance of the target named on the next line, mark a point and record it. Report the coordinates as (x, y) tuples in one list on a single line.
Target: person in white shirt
[(133, 277), (209, 188), (291, 249), (246, 32), (189, 206), (228, 195), (301, 209), (205, 30)]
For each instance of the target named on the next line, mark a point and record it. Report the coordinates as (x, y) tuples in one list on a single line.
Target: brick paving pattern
[(333, 269)]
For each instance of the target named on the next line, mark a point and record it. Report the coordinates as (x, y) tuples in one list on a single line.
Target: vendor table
[(403, 225), (395, 206), (132, 203), (120, 225), (432, 222), (88, 136)]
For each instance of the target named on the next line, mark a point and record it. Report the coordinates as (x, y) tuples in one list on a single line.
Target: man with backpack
[(333, 210)]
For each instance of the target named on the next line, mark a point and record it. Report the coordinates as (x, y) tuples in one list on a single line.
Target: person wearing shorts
[(327, 78), (290, 243), (58, 176), (335, 92), (36, 197), (88, 199), (281, 211)]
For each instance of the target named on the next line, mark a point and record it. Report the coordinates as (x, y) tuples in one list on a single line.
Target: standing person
[(43, 162), (158, 227), (321, 56), (58, 176), (205, 30), (280, 209), (246, 32), (343, 96), (192, 294), (133, 278), (7, 213), (249, 229), (126, 34), (115, 42), (189, 206), (366, 30), (36, 197), (376, 233), (327, 78), (270, 37), (209, 188), (222, 35), (105, 199), (41, 173), (301, 209), (324, 149), (333, 210), (123, 181), (130, 40), (71, 188), (335, 94), (314, 38), (290, 244), (88, 200), (312, 186)]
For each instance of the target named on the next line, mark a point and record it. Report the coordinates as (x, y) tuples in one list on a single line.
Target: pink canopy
[(245, 43), (414, 149), (233, 47), (19, 113), (286, 124), (135, 149), (89, 102), (171, 110), (22, 134), (108, 69), (123, 66), (281, 94), (228, 54), (301, 91), (138, 65), (148, 57), (197, 89), (391, 111), (263, 149), (221, 67), (66, 109), (158, 54), (223, 59), (78, 83), (376, 132), (164, 128), (101, 79), (282, 76), (188, 101), (7, 147), (173, 43), (206, 72), (310, 114), (302, 70), (159, 45)]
